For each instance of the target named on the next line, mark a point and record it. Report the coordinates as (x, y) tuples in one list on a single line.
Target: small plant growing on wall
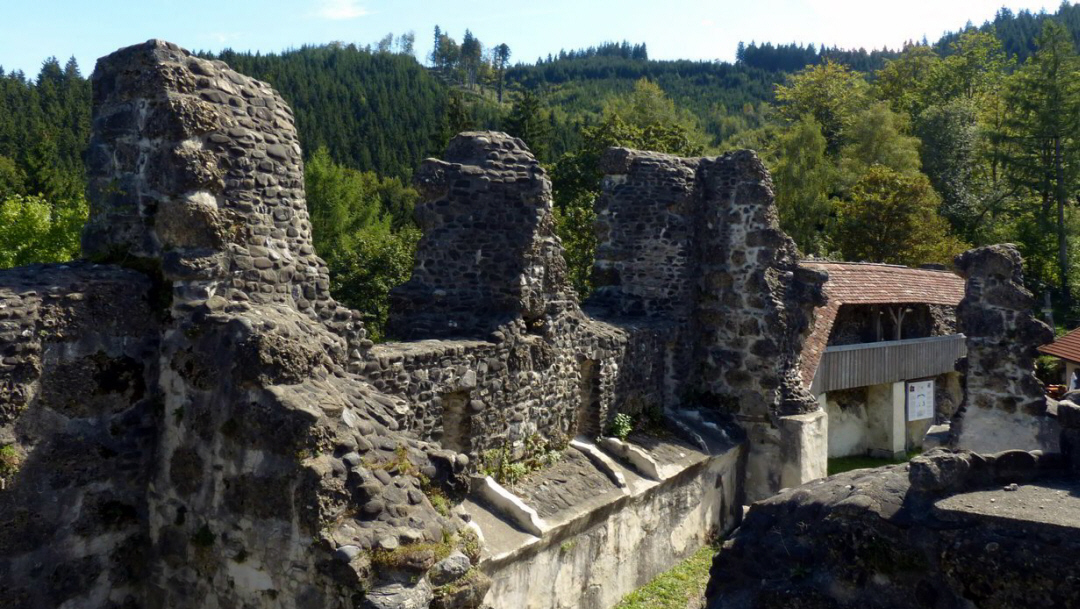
[(540, 453), (621, 426), (9, 464)]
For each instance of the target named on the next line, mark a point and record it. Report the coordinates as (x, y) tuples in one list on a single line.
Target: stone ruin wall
[(237, 462), (246, 445), (696, 243), (1005, 406), (502, 354), (78, 348)]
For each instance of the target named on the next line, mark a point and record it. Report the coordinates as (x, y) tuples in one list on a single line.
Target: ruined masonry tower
[(189, 419)]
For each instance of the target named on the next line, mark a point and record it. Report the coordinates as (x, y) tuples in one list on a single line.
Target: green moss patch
[(680, 588)]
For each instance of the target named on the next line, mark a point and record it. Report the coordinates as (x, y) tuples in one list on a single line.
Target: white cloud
[(340, 10), (224, 37)]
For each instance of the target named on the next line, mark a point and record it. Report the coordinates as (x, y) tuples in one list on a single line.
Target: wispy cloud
[(224, 37), (340, 10)]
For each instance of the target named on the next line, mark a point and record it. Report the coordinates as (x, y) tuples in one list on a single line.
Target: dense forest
[(905, 156)]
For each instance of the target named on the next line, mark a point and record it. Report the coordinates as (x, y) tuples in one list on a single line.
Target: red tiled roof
[(1066, 347), (864, 283)]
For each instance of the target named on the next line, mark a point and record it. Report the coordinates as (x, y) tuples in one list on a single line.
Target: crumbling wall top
[(489, 253), (1005, 406), (195, 171)]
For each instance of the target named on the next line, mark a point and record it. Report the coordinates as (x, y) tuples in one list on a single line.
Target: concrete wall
[(604, 555), (848, 422)]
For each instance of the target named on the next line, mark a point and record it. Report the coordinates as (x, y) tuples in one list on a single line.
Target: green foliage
[(1043, 133), (10, 460), (411, 556), (340, 202), (804, 177), (892, 217), (529, 122), (950, 136), (649, 107), (470, 544), (907, 81), (12, 181), (653, 124), (361, 225), (830, 93), (372, 111), (679, 588), (36, 230), (876, 137), (621, 426), (540, 453), (379, 261)]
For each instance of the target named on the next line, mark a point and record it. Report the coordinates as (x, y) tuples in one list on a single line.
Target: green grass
[(840, 465), (680, 588)]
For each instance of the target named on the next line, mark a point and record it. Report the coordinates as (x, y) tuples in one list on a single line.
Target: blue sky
[(31, 30)]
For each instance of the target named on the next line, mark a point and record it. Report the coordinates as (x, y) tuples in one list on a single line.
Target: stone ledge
[(509, 505), (601, 461)]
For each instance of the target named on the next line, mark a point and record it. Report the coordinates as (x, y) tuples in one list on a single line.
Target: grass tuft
[(680, 588), (840, 465)]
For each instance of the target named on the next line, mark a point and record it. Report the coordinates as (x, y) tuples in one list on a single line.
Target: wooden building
[(1067, 349), (882, 355)]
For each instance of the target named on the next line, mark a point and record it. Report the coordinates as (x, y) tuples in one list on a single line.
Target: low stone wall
[(475, 396)]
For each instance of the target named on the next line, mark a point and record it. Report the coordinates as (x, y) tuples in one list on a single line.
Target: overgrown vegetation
[(680, 588), (10, 461), (540, 452), (411, 556), (621, 426)]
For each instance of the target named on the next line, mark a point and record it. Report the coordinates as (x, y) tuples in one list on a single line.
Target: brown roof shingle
[(1066, 347), (865, 283)]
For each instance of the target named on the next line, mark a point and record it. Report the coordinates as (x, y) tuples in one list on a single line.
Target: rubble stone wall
[(187, 433), (478, 396), (703, 237), (950, 529), (1005, 406), (78, 414), (501, 351)]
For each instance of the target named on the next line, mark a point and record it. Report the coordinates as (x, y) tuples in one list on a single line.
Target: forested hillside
[(892, 155), (377, 111)]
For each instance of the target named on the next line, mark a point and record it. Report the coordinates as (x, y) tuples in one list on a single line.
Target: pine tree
[(527, 121), (1044, 129), (502, 58)]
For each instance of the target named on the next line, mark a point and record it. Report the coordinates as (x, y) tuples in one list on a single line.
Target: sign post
[(920, 400)]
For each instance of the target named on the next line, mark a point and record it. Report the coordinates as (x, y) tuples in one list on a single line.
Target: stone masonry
[(1005, 406), (186, 433), (696, 242), (188, 419)]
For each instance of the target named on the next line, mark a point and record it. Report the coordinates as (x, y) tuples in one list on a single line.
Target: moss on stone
[(10, 460)]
